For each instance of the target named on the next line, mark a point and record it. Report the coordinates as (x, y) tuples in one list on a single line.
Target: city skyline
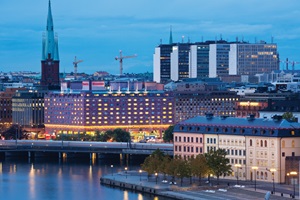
[(95, 32)]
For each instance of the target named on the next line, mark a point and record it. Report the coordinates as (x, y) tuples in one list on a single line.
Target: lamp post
[(237, 173), (255, 168), (112, 172), (140, 171), (288, 178), (156, 178), (126, 172), (272, 170), (294, 174)]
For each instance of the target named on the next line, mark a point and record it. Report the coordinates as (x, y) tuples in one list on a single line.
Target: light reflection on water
[(68, 180)]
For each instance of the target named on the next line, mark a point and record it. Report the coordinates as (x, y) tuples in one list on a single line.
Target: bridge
[(63, 148)]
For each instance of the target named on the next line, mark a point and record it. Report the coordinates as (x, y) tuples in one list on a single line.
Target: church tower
[(50, 57)]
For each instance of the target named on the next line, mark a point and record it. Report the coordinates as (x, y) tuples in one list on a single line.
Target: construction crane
[(287, 62), (293, 64), (75, 66), (120, 58)]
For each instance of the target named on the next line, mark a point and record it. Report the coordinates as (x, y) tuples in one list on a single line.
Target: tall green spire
[(50, 43), (171, 37)]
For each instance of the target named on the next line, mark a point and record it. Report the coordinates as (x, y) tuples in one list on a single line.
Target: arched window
[(257, 174), (261, 175), (266, 176), (266, 143), (261, 143), (283, 144), (250, 143)]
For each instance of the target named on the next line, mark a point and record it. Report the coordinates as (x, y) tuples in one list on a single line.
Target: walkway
[(139, 181)]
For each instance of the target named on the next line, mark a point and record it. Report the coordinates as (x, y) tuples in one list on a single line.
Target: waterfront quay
[(156, 185)]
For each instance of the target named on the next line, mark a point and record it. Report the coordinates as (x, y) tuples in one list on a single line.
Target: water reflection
[(67, 179)]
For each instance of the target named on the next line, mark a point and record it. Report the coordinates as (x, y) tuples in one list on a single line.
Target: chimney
[(251, 117), (209, 115)]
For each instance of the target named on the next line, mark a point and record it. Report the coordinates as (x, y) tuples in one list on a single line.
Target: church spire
[(171, 37), (50, 43)]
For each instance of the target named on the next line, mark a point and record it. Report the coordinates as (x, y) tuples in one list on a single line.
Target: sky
[(96, 30)]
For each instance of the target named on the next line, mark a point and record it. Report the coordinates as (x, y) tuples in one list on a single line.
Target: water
[(43, 179)]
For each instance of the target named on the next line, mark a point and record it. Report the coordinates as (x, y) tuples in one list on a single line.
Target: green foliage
[(168, 134), (153, 163), (117, 135), (199, 166), (218, 163), (289, 116)]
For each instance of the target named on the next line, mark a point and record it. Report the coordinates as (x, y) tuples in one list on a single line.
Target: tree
[(119, 135), (182, 169), (199, 166), (289, 116), (218, 163), (168, 134), (153, 162)]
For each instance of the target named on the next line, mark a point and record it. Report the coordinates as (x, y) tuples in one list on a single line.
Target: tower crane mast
[(120, 58), (75, 62)]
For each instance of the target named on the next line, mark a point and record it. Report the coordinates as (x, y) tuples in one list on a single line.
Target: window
[(175, 138), (250, 143), (261, 143), (266, 143), (283, 154), (196, 140), (200, 140)]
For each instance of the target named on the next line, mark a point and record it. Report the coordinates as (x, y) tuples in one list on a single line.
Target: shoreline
[(139, 182)]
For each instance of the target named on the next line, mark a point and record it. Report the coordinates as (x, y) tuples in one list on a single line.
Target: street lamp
[(126, 172), (255, 168), (237, 173), (288, 178), (156, 177), (273, 171), (112, 172), (294, 173), (140, 171)]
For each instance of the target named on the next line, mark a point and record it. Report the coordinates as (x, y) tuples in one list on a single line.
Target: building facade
[(50, 56), (256, 145), (252, 59), (90, 111)]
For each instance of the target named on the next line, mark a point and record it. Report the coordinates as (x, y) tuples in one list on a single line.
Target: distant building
[(28, 108), (255, 145), (6, 105), (252, 59), (50, 56), (229, 61)]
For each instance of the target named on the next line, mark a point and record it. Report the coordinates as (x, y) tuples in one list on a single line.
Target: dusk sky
[(95, 30)]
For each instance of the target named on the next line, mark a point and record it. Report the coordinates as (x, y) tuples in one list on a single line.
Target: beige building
[(257, 148)]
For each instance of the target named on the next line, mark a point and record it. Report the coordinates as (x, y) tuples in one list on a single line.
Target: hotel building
[(255, 145), (91, 111)]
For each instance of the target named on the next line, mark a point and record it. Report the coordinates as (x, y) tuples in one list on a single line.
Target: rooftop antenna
[(201, 38), (189, 40), (182, 39), (272, 40), (221, 37)]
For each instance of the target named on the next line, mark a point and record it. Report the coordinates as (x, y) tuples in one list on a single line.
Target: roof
[(240, 122)]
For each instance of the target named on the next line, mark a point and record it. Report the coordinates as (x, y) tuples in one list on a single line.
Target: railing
[(78, 146)]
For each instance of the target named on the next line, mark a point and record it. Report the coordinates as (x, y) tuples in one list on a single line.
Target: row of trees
[(213, 162), (116, 135)]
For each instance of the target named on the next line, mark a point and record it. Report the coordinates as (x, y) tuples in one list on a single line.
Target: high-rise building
[(252, 59), (50, 56), (219, 58)]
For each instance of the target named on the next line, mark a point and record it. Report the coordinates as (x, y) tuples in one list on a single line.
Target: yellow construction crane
[(75, 66), (121, 57)]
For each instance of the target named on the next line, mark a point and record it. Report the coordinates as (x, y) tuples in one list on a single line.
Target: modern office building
[(252, 59), (6, 105), (50, 56), (256, 146), (136, 111), (219, 58), (28, 108)]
